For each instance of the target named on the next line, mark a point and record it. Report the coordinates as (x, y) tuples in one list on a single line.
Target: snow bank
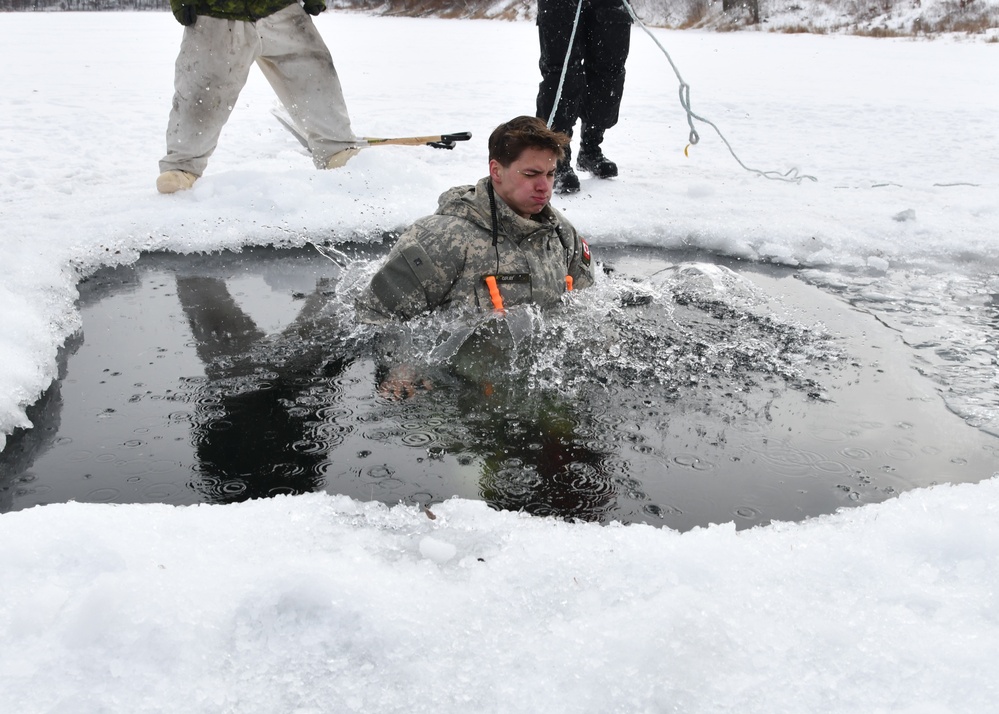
[(319, 603)]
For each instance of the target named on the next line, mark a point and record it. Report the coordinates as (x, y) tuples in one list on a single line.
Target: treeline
[(652, 10), (878, 18), (439, 8), (92, 5), (81, 5)]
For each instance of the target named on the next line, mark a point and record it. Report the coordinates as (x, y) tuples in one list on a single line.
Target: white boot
[(341, 157), (175, 180)]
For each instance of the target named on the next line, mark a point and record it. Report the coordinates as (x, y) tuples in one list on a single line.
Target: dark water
[(677, 392)]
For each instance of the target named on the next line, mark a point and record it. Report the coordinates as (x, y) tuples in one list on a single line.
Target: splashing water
[(674, 392)]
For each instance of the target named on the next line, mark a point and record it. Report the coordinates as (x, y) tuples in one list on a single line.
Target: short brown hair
[(509, 139)]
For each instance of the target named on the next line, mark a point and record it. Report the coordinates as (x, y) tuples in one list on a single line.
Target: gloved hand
[(314, 7), (185, 14)]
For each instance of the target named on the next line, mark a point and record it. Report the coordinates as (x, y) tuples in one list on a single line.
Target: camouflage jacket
[(443, 259), (245, 10)]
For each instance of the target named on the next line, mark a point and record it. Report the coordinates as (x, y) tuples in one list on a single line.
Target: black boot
[(566, 180), (591, 158)]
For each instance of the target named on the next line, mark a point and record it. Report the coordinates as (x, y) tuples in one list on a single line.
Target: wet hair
[(508, 140)]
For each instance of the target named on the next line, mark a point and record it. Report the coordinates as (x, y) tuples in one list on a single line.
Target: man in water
[(490, 246), (502, 228)]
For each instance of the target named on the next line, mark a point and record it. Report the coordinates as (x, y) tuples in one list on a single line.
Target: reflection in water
[(245, 434), (25, 446), (265, 418), (531, 457)]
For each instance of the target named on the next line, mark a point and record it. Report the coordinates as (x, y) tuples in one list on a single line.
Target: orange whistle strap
[(494, 293), (568, 283)]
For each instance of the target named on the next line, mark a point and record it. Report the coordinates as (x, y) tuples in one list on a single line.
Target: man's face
[(526, 184)]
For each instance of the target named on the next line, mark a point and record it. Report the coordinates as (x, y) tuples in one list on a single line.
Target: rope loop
[(791, 176)]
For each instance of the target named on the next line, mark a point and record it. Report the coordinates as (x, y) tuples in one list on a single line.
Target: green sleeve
[(412, 280), (184, 11)]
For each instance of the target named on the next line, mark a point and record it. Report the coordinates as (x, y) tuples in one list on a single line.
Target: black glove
[(185, 14), (314, 7)]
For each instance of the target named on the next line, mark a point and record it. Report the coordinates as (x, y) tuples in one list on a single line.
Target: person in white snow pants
[(213, 65)]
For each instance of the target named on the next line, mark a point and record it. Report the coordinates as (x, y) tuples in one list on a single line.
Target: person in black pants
[(594, 80)]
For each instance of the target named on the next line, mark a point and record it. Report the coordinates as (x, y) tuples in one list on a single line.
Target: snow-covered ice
[(319, 603)]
